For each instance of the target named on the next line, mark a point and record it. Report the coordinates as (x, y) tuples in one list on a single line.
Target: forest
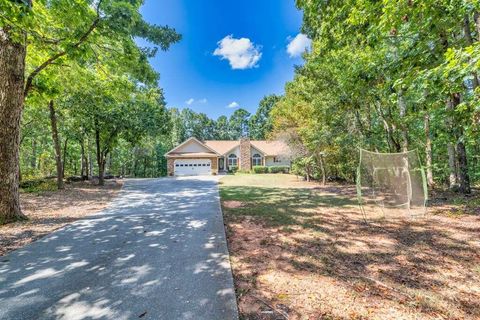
[(79, 97), (387, 76)]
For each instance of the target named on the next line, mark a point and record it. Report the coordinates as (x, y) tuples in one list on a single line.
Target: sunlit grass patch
[(306, 249)]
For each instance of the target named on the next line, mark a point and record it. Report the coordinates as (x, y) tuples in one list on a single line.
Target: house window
[(256, 160), (276, 159), (232, 160)]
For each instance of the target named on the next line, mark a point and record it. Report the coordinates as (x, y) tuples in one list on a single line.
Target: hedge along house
[(195, 157)]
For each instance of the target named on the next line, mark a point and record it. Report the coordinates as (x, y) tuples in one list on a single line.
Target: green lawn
[(279, 199), (302, 251)]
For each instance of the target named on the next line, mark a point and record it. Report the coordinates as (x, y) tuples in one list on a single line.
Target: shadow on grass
[(429, 264)]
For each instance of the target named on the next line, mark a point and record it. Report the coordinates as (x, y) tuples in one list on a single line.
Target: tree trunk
[(100, 160), (89, 163), (452, 162), (428, 150), (144, 167), (56, 144), (402, 106), (463, 176), (476, 18), (452, 165), (83, 161), (65, 144), (12, 72), (322, 168), (468, 36), (33, 159)]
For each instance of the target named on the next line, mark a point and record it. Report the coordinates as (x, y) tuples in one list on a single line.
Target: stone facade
[(245, 154), (171, 162)]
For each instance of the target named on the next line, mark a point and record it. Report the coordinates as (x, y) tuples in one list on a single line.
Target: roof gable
[(191, 145), (222, 146), (271, 148)]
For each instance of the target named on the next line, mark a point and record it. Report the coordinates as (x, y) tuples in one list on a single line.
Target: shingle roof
[(192, 154), (269, 148), (221, 146)]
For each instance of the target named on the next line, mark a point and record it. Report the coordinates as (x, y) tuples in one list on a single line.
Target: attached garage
[(192, 157), (190, 167)]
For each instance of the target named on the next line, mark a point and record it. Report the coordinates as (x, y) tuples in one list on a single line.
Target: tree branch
[(49, 61)]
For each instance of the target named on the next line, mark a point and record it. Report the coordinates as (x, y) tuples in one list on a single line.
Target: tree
[(260, 123), (56, 32), (387, 76), (221, 128), (238, 124), (12, 66)]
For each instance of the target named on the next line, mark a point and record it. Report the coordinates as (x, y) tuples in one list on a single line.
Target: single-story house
[(195, 157)]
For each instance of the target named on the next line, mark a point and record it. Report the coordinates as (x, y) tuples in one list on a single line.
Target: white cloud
[(233, 104), (298, 45), (191, 101), (240, 53)]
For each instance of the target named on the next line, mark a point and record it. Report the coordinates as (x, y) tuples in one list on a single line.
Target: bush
[(232, 169), (260, 169), (38, 185), (279, 169)]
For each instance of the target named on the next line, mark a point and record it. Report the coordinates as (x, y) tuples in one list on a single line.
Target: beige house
[(194, 157)]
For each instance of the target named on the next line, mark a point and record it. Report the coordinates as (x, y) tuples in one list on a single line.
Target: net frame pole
[(409, 193), (359, 188), (417, 166)]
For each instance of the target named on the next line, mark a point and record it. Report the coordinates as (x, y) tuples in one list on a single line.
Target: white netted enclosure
[(391, 185)]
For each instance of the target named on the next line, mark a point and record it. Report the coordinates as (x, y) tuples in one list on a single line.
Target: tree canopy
[(388, 76)]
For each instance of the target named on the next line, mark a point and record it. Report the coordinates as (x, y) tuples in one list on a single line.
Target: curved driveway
[(158, 252)]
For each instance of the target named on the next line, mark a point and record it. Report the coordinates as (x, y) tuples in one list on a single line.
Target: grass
[(303, 251)]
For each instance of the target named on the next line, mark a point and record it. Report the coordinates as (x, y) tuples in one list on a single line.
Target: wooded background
[(78, 96)]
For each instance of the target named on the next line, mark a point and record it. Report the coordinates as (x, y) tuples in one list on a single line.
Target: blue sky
[(232, 52)]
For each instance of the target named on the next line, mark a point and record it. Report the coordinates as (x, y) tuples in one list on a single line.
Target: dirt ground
[(305, 252), (50, 210)]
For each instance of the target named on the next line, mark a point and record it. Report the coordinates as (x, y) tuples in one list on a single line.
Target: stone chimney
[(245, 156)]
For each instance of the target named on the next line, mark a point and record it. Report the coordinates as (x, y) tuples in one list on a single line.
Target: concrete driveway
[(158, 252)]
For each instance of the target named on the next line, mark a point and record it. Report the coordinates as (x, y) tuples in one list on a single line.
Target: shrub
[(279, 169), (232, 169), (38, 185), (260, 169)]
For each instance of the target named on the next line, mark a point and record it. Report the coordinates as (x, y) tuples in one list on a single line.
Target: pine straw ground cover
[(50, 210), (301, 251)]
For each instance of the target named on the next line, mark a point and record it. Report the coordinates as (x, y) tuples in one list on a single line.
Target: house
[(195, 157)]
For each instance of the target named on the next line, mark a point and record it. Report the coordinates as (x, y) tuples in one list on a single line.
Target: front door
[(221, 162)]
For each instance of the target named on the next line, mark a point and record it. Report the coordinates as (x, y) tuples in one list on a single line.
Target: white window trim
[(257, 157), (232, 160)]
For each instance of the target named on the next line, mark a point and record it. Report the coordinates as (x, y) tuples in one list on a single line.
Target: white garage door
[(189, 167)]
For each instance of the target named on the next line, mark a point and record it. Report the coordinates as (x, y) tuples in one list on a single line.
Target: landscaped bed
[(302, 251), (50, 210)]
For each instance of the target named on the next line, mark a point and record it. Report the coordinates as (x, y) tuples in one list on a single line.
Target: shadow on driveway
[(158, 252)]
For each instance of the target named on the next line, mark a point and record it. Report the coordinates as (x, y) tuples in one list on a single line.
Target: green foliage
[(84, 56), (38, 185), (260, 169), (279, 169), (238, 124), (232, 169), (376, 70), (260, 123)]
